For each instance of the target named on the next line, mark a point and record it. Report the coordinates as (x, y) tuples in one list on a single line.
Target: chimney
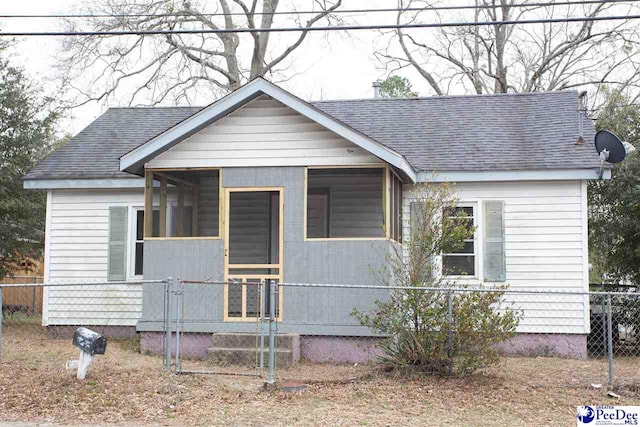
[(376, 89)]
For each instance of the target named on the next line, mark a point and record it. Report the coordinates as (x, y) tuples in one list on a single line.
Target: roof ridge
[(482, 95), (154, 107)]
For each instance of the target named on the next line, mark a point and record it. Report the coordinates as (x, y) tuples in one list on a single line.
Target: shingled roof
[(476, 133), (95, 152), (535, 131)]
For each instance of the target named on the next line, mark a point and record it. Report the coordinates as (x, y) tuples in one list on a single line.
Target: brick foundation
[(339, 349), (319, 349), (191, 344), (562, 345)]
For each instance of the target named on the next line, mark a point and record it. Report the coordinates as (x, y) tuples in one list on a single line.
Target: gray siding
[(186, 259), (340, 262), (325, 311)]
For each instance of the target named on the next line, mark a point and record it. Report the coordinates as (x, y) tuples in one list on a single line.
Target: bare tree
[(516, 58), (176, 67)]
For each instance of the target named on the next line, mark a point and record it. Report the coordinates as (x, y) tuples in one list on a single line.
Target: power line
[(331, 28), (309, 12)]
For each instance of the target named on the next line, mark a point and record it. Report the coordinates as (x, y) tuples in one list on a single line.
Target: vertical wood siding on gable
[(263, 133), (79, 237), (544, 249)]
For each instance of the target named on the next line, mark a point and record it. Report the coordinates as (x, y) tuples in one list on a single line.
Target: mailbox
[(89, 343)]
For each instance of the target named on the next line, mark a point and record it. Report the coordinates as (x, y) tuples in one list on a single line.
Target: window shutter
[(494, 256), (117, 260)]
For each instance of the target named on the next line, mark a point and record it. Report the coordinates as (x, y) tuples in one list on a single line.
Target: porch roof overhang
[(134, 161)]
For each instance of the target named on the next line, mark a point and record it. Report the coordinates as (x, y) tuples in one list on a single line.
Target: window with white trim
[(138, 243), (137, 239), (462, 262)]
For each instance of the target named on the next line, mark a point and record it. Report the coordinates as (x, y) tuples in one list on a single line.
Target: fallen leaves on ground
[(125, 387)]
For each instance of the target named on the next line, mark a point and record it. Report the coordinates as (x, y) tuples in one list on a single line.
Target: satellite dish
[(611, 148)]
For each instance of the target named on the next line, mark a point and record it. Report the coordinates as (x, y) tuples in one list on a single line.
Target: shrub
[(437, 331)]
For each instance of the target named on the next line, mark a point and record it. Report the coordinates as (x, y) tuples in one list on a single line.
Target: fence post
[(450, 331), (610, 339), (271, 378), (33, 296), (1, 319), (263, 305), (167, 324), (603, 309), (179, 301)]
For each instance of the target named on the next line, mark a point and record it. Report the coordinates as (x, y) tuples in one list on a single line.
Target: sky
[(333, 65), (337, 66)]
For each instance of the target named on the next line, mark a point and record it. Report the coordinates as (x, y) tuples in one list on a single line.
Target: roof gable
[(263, 132), (134, 161)]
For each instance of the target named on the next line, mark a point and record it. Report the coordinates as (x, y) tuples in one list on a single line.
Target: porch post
[(148, 203)]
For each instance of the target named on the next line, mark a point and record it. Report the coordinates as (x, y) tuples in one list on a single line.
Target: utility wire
[(331, 28), (309, 12)]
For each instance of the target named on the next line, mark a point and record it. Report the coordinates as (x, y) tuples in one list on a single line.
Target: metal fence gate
[(198, 339)]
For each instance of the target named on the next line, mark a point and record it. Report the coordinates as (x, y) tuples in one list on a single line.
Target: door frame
[(244, 277)]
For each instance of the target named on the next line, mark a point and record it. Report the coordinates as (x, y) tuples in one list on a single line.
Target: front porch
[(289, 224)]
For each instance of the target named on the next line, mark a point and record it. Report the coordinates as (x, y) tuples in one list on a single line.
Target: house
[(261, 184)]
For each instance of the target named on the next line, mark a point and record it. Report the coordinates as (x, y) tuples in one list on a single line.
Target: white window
[(463, 261), (136, 233)]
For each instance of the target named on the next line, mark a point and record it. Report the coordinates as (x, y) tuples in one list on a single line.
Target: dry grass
[(124, 387)]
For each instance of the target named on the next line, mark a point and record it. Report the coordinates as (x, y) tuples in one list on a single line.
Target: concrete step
[(252, 341), (248, 357)]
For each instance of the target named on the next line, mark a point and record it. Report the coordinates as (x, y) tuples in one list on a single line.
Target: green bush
[(436, 331), (423, 336)]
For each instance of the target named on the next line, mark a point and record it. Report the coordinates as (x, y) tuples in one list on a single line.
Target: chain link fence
[(36, 315), (314, 332), (599, 330), (24, 298), (615, 329)]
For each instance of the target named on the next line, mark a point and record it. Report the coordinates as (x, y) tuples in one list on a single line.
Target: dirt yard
[(125, 387)]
